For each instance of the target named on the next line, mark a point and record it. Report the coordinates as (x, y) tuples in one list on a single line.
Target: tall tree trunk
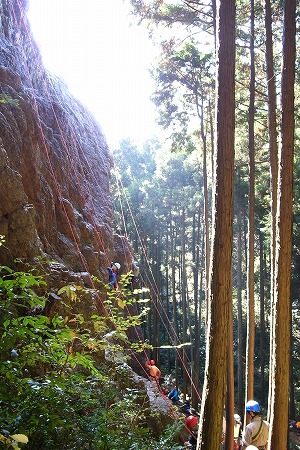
[(240, 401), (155, 303), (185, 305), (262, 317), (281, 357), (200, 111), (168, 302), (211, 127), (174, 302), (195, 373), (250, 278), (220, 299), (229, 440), (273, 152), (292, 407)]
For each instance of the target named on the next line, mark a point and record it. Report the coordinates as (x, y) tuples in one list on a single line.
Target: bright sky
[(103, 60)]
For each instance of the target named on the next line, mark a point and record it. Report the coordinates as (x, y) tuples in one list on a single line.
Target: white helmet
[(237, 417), (118, 266)]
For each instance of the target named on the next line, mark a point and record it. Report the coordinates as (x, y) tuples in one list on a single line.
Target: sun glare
[(102, 58)]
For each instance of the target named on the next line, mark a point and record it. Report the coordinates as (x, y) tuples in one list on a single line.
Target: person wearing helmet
[(237, 431), (112, 274), (191, 423), (135, 268), (153, 370), (257, 431)]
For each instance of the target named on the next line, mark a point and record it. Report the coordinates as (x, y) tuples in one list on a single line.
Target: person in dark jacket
[(112, 274)]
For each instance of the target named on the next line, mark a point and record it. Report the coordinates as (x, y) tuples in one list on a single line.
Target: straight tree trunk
[(195, 373), (184, 302), (292, 407), (155, 302), (220, 298), (250, 273), (262, 317), (240, 401), (281, 357), (174, 302), (205, 195), (273, 152), (229, 439)]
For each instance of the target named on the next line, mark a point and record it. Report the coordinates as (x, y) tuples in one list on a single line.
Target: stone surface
[(55, 203), (54, 163)]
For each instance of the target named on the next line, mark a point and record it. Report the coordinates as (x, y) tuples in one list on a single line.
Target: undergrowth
[(55, 396)]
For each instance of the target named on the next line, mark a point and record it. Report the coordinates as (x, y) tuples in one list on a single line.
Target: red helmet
[(191, 421), (152, 362)]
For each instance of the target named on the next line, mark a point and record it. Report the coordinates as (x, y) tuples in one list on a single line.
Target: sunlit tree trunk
[(250, 274), (184, 302), (262, 317), (240, 402), (175, 332), (229, 442), (281, 357), (273, 152), (167, 329), (220, 299), (155, 304), (200, 109), (292, 406), (195, 372)]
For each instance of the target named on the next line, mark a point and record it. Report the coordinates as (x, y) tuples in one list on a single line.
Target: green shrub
[(58, 397)]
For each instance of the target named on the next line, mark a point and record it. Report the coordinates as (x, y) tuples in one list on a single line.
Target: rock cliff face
[(54, 162), (54, 182)]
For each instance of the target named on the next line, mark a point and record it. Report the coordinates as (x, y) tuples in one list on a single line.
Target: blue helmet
[(252, 406)]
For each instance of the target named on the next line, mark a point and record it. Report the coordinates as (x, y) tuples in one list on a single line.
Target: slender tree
[(273, 151), (250, 277), (262, 316)]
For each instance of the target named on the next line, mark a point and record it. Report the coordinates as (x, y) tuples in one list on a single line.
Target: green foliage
[(7, 99), (53, 388)]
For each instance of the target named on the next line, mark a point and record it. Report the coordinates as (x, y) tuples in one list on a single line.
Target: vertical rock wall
[(54, 160)]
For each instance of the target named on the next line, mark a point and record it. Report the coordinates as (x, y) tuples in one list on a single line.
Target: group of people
[(255, 436)]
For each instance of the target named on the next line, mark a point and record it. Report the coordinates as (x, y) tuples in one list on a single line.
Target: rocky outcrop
[(54, 162)]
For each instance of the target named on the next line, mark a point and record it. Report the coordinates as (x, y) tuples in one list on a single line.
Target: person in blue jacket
[(174, 395)]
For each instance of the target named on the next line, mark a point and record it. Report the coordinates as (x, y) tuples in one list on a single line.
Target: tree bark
[(250, 272), (262, 318), (273, 152), (281, 358), (240, 402), (220, 299)]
